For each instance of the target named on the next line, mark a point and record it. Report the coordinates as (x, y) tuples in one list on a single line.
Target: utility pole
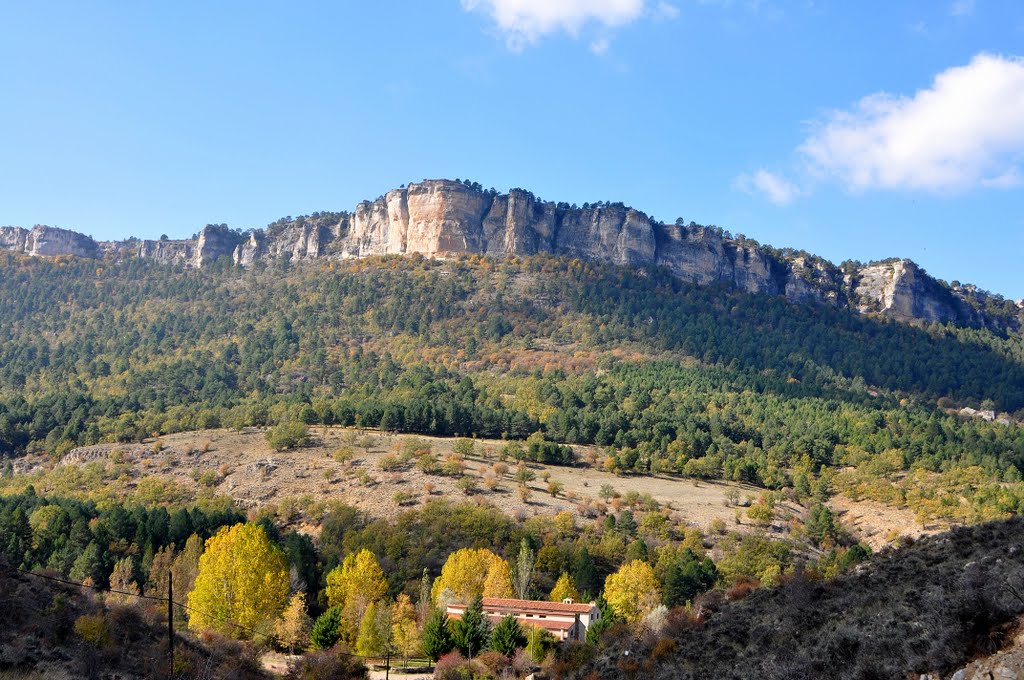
[(170, 625)]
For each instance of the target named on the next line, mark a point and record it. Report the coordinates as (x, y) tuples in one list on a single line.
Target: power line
[(144, 597), (267, 636)]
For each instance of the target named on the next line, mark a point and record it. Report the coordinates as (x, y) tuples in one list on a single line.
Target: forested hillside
[(670, 377)]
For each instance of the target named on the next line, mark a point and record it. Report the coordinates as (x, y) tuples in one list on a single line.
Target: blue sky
[(850, 129)]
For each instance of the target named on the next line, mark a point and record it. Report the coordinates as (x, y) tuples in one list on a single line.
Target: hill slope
[(672, 377), (928, 608)]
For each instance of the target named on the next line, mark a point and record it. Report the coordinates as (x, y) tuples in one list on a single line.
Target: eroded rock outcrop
[(902, 290), (43, 241), (441, 218)]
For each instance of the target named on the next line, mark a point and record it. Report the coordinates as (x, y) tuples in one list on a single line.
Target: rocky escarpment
[(441, 218), (47, 241)]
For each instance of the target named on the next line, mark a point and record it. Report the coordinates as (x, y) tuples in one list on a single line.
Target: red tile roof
[(536, 606)]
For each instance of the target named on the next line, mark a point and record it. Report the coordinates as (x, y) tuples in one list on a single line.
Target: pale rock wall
[(441, 218), (900, 289)]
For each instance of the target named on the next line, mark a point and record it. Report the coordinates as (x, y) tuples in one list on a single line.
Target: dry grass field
[(365, 469)]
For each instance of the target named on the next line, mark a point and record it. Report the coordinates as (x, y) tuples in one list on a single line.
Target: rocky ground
[(242, 465)]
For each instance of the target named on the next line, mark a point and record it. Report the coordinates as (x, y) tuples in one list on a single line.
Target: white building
[(566, 620)]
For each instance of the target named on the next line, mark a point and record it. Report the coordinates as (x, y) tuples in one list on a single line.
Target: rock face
[(47, 241), (441, 218), (903, 291)]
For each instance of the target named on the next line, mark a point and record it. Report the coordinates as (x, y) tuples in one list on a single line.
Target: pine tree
[(508, 636), (472, 632), (325, 633), (437, 636)]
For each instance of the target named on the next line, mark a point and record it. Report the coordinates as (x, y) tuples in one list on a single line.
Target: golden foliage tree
[(565, 589), (186, 564), (374, 637), (292, 629), (633, 590), (354, 586), (405, 632), (469, 573), (243, 578), (159, 570), (123, 579)]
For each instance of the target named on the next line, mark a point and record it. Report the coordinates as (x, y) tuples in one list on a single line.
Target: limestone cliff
[(904, 291), (47, 241), (441, 218)]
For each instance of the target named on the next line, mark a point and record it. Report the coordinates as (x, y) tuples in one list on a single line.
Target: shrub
[(452, 666), (494, 662), (287, 435), (93, 629), (427, 464), (403, 498), (327, 666), (389, 463), (467, 485)]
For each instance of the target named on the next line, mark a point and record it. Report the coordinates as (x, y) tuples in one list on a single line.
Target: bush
[(452, 666), (93, 629), (403, 498), (327, 666), (467, 485), (287, 435), (390, 463)]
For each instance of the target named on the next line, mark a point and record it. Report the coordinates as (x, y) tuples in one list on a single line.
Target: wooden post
[(170, 625)]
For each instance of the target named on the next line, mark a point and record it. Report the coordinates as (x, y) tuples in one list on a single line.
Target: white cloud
[(962, 8), (600, 46), (776, 188), (966, 130), (523, 22)]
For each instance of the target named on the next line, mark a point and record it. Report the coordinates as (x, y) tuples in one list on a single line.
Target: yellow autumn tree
[(468, 573), (633, 590), (243, 578), (354, 586), (499, 580), (405, 633), (565, 589), (292, 629)]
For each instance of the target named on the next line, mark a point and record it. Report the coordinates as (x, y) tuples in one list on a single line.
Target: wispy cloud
[(524, 22), (774, 187), (665, 11), (966, 130), (962, 8), (600, 46)]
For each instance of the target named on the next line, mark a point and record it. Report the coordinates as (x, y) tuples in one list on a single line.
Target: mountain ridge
[(443, 218)]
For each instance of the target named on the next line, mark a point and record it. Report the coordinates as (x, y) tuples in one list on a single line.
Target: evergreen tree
[(508, 636), (325, 633), (472, 632), (437, 635)]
